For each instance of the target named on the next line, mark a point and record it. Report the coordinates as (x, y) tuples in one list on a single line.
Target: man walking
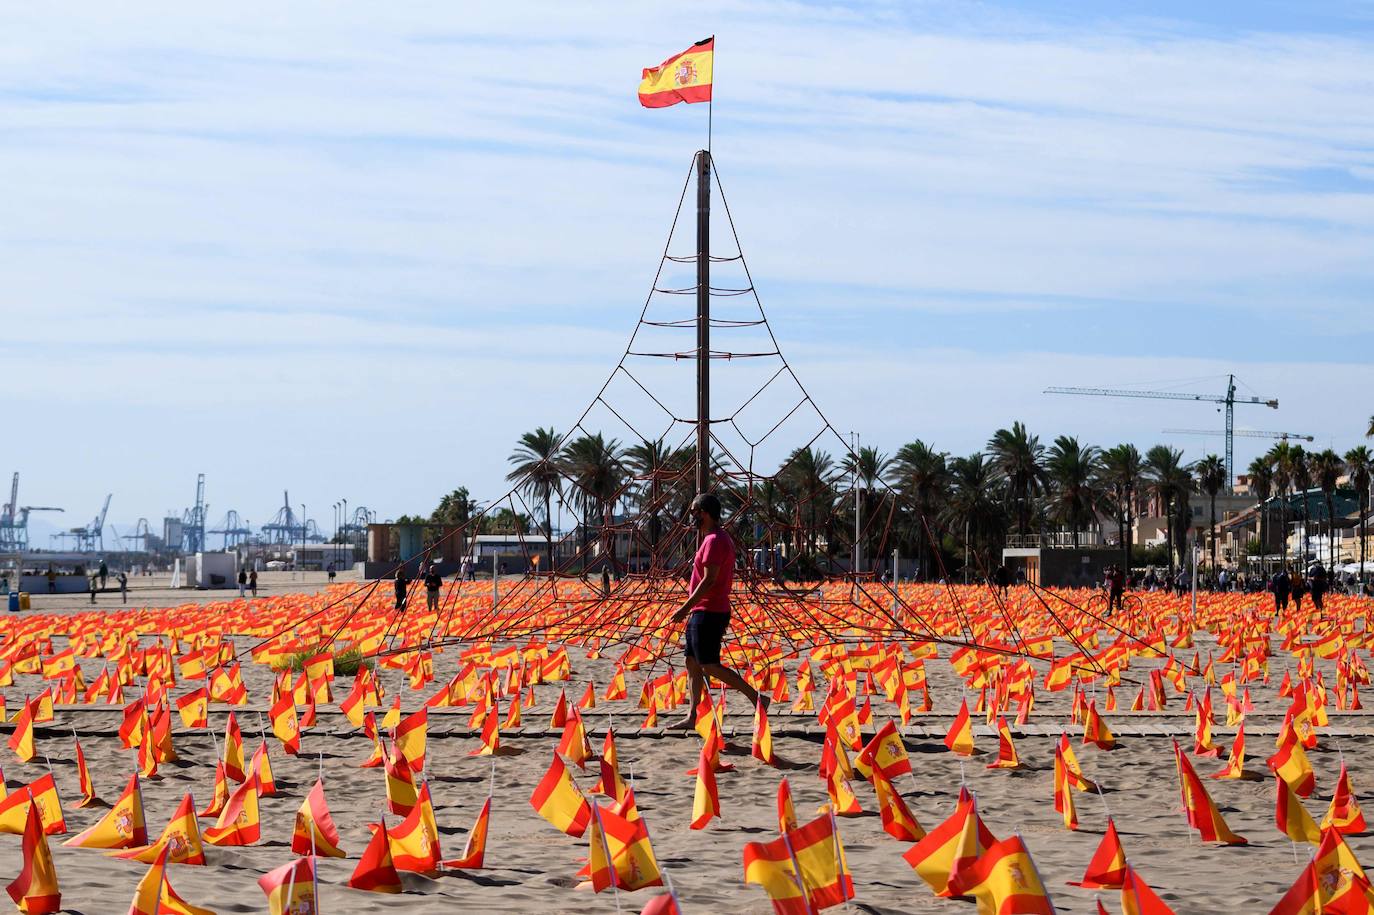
[(707, 608), (401, 584)]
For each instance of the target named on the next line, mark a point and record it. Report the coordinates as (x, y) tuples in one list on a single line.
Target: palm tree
[(1170, 482), (920, 474), (1300, 471), (651, 462), (808, 477), (1369, 433), (1072, 469), (1360, 463), (865, 471), (1261, 483), (1119, 472), (1018, 456), (1211, 477), (597, 473), (975, 505), (1327, 468), (537, 461), (1279, 458)]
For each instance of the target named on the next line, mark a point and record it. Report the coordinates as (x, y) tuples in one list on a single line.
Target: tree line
[(924, 503)]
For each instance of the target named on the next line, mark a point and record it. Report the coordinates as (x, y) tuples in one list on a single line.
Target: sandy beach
[(531, 866)]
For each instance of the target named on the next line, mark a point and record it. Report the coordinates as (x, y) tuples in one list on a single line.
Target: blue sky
[(355, 252)]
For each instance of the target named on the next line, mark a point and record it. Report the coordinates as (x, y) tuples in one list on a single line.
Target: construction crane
[(1243, 433), (193, 521), (233, 530), (14, 520), (1229, 399)]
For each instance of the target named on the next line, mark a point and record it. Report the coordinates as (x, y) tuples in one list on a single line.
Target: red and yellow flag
[(1107, 868), (291, 887), (804, 871), (952, 846), (179, 843), (35, 889), (557, 799), (121, 827), (706, 799), (474, 852), (42, 792), (375, 872), (154, 894), (238, 822), (684, 77), (1004, 879), (1291, 817), (415, 842), (315, 832)]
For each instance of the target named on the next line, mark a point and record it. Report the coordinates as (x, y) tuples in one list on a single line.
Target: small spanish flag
[(684, 77)]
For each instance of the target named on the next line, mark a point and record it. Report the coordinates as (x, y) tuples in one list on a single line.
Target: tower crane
[(1244, 433), (1229, 399)]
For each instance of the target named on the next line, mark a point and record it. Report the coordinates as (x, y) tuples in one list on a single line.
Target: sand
[(531, 866)]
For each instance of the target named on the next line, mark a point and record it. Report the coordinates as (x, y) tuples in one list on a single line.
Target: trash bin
[(23, 600), (14, 601)]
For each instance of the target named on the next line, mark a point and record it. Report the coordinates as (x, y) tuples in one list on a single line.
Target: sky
[(353, 252)]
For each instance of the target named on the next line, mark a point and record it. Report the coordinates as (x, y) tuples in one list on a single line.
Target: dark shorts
[(705, 631)]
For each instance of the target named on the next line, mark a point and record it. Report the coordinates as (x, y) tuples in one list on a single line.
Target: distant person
[(123, 588), (465, 570), (94, 579), (253, 582), (433, 582), (401, 585), (330, 569), (243, 582), (1319, 585), (1299, 590), (605, 581), (1001, 578), (52, 580), (1281, 586), (1116, 588), (104, 574)]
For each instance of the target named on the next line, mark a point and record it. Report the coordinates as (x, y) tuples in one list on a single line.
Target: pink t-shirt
[(717, 549)]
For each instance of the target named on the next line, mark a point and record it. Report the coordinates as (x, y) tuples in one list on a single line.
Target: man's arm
[(707, 580)]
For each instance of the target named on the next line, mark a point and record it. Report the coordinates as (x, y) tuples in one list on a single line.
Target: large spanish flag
[(684, 77)]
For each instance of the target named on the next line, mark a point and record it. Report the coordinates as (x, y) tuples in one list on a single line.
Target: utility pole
[(703, 320)]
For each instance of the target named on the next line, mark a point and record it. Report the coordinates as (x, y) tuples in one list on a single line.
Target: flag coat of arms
[(684, 77)]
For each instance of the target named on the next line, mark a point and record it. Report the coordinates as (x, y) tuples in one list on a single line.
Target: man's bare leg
[(697, 677), (734, 681)]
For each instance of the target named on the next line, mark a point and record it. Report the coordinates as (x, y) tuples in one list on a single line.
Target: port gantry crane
[(14, 520), (1229, 399)]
